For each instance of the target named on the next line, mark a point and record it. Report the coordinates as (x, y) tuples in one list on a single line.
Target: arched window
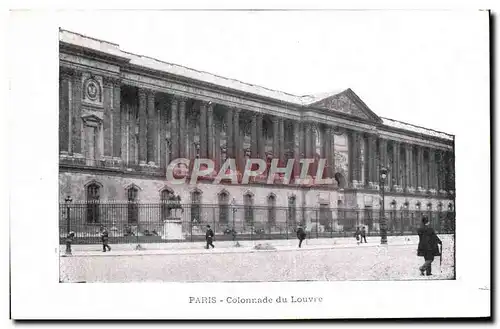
[(133, 207), (196, 207), (224, 207), (292, 215), (166, 196), (271, 210), (93, 199), (248, 207)]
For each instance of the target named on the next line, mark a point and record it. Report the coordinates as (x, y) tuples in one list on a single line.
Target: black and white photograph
[(241, 160)]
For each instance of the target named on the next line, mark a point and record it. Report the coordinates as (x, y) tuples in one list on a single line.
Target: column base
[(410, 189), (432, 191), (397, 188), (422, 190)]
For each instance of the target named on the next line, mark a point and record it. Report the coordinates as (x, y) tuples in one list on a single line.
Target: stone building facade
[(124, 117)]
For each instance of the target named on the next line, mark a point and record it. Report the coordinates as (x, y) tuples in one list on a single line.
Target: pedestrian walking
[(301, 235), (363, 235), (209, 235), (105, 239), (357, 234), (69, 241), (427, 246)]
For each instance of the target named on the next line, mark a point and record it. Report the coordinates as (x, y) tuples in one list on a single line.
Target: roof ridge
[(417, 126), (88, 37)]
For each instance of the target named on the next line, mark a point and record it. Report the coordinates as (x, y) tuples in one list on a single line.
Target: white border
[(36, 294)]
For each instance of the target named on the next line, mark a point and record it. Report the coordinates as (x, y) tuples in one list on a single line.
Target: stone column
[(217, 151), (260, 137), (76, 120), (163, 135), (374, 176), (441, 171), (230, 139), (407, 182), (174, 128), (358, 139), (107, 121), (254, 144), (152, 137), (132, 135), (450, 160), (124, 130), (210, 128), (314, 132), (366, 139), (328, 152), (350, 155), (117, 120), (296, 148), (331, 157), (308, 137), (420, 165), (238, 152), (276, 141), (203, 130), (142, 126), (432, 169), (281, 132), (396, 163), (64, 113), (182, 127), (382, 145)]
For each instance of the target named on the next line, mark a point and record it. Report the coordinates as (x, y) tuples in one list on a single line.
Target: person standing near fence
[(427, 246), (362, 235), (301, 235), (105, 239), (209, 235)]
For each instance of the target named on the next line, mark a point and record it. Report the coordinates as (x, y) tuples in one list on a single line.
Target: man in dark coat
[(209, 235), (301, 235), (105, 239), (427, 246), (363, 235)]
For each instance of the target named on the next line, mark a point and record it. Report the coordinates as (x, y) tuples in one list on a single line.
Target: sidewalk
[(229, 246)]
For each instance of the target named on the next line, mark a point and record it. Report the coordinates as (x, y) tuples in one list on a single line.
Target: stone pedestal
[(172, 226), (172, 229)]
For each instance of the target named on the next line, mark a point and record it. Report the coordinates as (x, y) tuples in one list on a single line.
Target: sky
[(412, 66)]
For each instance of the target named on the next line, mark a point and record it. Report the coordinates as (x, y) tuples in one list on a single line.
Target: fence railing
[(143, 223)]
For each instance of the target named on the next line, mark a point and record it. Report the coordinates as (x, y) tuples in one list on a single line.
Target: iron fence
[(145, 223)]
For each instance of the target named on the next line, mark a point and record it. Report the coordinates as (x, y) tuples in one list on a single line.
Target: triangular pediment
[(347, 102)]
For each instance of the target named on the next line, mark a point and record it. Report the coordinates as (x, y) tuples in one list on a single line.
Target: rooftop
[(179, 70)]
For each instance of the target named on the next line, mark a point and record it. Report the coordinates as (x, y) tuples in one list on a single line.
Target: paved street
[(313, 262)]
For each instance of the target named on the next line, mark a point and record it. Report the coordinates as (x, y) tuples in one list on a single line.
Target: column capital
[(179, 98), (111, 81)]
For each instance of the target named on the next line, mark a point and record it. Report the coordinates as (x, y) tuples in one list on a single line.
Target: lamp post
[(68, 201), (233, 209), (383, 221)]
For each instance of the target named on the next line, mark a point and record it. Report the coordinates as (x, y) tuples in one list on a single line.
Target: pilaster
[(182, 126), (276, 141), (254, 143), (230, 138), (174, 127), (117, 120), (203, 130), (210, 132), (281, 130), (142, 126), (151, 124)]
